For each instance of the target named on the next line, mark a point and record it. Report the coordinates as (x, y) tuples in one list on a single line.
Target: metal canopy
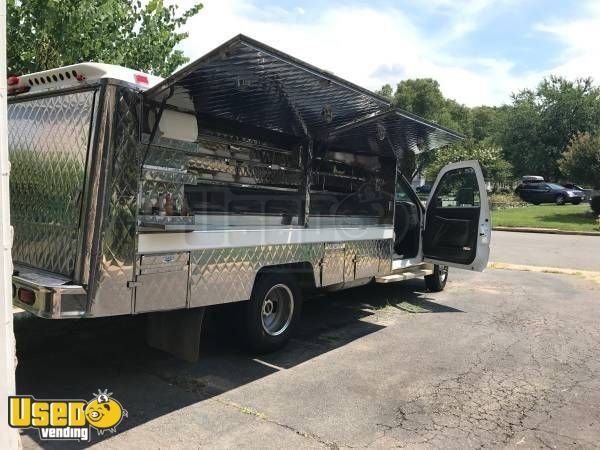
[(249, 82), (397, 128)]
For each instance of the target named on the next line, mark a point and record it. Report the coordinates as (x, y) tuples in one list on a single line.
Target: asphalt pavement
[(551, 250), (498, 359)]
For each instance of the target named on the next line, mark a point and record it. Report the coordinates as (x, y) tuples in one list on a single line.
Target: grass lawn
[(566, 217)]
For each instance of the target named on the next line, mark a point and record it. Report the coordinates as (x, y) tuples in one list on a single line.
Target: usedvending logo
[(66, 419)]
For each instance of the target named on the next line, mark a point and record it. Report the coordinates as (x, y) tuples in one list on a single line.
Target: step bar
[(405, 274)]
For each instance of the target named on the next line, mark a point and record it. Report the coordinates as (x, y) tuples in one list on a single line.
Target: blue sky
[(479, 50)]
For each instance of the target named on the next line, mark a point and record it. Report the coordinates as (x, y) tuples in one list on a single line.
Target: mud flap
[(176, 332)]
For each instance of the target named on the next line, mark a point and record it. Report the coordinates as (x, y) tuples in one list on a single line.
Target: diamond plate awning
[(397, 128), (249, 82)]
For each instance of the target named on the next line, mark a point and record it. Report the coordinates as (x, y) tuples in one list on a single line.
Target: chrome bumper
[(50, 302)]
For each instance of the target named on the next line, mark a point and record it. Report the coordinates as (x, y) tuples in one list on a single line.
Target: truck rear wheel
[(272, 312), (437, 280)]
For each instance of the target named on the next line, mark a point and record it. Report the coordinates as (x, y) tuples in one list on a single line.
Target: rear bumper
[(50, 302)]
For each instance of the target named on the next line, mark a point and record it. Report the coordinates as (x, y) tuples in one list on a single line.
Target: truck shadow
[(572, 218), (73, 359)]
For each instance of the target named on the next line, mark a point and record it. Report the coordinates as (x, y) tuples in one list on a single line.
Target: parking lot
[(500, 359)]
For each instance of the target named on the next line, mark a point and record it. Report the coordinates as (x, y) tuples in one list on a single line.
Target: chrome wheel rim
[(277, 309), (443, 273)]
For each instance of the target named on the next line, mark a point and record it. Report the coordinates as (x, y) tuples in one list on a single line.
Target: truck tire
[(272, 313), (436, 282)]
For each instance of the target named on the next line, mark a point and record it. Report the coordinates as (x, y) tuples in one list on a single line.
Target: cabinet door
[(162, 282), (333, 264)]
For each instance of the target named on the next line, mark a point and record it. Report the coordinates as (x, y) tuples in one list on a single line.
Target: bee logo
[(104, 412)]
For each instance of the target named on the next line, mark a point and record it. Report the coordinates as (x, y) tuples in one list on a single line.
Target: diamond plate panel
[(162, 282), (384, 248), (223, 169), (228, 146), (164, 157), (111, 294), (48, 141), (167, 176), (368, 257), (333, 264), (231, 147), (163, 263), (227, 275), (349, 263)]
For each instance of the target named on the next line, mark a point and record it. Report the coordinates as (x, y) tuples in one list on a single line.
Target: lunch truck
[(247, 177)]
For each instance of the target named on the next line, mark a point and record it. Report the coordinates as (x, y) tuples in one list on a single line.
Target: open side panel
[(48, 140), (457, 219)]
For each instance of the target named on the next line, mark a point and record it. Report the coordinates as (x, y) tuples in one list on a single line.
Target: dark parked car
[(572, 186), (587, 193), (425, 189), (537, 193)]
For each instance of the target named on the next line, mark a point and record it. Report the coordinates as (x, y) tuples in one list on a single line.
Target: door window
[(458, 189), (457, 220), (402, 190)]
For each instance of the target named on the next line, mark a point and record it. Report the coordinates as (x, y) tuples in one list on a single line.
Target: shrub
[(596, 204), (580, 162), (501, 201)]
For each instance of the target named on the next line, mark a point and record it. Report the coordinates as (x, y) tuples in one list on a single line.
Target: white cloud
[(365, 45), (581, 40), (463, 16)]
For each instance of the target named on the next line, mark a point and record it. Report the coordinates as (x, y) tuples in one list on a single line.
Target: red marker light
[(12, 80), (141, 78), (14, 87), (80, 77), (27, 296)]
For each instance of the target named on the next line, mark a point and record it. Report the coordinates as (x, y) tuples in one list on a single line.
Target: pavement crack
[(489, 403), (263, 417)]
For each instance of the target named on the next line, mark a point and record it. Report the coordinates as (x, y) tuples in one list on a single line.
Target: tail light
[(14, 88), (141, 78), (27, 296)]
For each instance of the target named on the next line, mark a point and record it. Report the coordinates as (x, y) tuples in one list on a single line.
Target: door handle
[(484, 233)]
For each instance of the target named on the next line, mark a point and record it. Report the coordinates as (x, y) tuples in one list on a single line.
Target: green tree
[(580, 163), (520, 136), (424, 97), (44, 34), (533, 131), (484, 123), (386, 91), (496, 169), (539, 124)]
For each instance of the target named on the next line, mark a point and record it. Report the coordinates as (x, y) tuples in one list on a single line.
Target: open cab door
[(457, 229)]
